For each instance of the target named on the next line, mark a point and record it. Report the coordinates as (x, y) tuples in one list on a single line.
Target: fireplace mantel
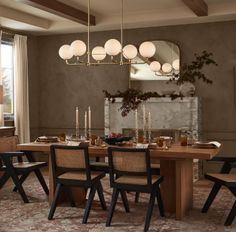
[(166, 114)]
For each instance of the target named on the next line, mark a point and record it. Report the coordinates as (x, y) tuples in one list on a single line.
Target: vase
[(187, 89)]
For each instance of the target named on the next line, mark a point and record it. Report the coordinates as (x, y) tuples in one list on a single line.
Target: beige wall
[(55, 88)]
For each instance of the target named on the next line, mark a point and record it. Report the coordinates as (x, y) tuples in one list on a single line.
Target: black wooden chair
[(104, 167), (133, 171), (72, 164), (224, 178), (13, 170)]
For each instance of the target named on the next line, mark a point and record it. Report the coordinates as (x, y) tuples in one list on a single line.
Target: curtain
[(1, 86), (21, 95)]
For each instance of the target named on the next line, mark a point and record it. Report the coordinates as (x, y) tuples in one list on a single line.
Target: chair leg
[(150, 209), (41, 180), (101, 196), (125, 201), (22, 180), (89, 204), (231, 215), (54, 202), (4, 179), (112, 206), (70, 196), (137, 194), (18, 185), (160, 202), (211, 197)]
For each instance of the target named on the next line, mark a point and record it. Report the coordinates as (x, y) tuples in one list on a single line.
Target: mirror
[(168, 56)]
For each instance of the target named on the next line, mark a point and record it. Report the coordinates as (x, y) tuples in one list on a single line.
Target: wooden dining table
[(176, 166)]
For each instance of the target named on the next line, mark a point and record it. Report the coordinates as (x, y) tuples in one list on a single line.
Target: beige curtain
[(21, 95), (1, 87)]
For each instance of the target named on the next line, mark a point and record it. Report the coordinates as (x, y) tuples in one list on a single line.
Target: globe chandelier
[(78, 53)]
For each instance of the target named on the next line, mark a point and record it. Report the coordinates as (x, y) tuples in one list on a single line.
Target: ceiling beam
[(199, 7), (62, 10), (23, 17)]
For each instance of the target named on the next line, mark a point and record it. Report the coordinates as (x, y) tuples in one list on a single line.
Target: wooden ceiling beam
[(199, 7), (23, 17), (62, 10)]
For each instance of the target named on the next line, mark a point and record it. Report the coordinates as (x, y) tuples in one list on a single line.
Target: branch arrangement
[(131, 98)]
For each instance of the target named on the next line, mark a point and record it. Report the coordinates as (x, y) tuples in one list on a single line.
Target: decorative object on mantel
[(131, 98), (189, 73)]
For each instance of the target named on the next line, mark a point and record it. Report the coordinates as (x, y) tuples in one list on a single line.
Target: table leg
[(177, 187)]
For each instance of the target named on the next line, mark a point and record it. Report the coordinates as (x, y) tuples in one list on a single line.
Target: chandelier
[(113, 52)]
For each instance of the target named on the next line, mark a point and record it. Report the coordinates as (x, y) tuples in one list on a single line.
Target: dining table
[(176, 166)]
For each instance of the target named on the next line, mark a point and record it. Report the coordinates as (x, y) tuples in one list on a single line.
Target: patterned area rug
[(16, 216)]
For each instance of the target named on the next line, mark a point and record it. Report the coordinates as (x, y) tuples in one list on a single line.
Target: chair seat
[(99, 164), (155, 165), (81, 176), (26, 165), (29, 164), (136, 180), (226, 179)]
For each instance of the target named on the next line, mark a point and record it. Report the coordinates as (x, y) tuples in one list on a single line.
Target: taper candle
[(77, 121), (136, 125), (149, 127), (89, 121), (85, 124), (144, 122)]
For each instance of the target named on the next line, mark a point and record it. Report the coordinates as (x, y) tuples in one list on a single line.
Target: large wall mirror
[(165, 62)]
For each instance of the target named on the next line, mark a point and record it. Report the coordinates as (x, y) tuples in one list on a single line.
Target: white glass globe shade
[(98, 53), (78, 48), (112, 47), (166, 68), (130, 51), (65, 52), (175, 64), (147, 49), (155, 66)]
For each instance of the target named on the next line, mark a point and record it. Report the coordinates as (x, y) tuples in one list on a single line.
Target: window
[(7, 77)]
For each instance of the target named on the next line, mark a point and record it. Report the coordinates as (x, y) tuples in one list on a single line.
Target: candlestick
[(85, 124), (77, 122), (89, 121), (149, 127), (144, 123), (136, 125)]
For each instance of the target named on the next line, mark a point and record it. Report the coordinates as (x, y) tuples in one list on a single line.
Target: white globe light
[(98, 53), (112, 47), (65, 52), (176, 65), (155, 66), (130, 51), (147, 49), (78, 48), (166, 68)]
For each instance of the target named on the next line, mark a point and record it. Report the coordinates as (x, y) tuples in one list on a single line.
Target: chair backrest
[(70, 158), (8, 144), (130, 162)]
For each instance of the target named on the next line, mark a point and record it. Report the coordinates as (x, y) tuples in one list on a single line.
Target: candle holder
[(76, 131)]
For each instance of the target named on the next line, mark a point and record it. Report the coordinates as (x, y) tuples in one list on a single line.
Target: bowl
[(114, 141)]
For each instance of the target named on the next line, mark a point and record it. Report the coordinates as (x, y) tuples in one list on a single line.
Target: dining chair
[(12, 166), (224, 178), (71, 168), (132, 168)]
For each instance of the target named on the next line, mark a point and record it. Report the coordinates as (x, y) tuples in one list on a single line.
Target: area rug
[(15, 216)]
